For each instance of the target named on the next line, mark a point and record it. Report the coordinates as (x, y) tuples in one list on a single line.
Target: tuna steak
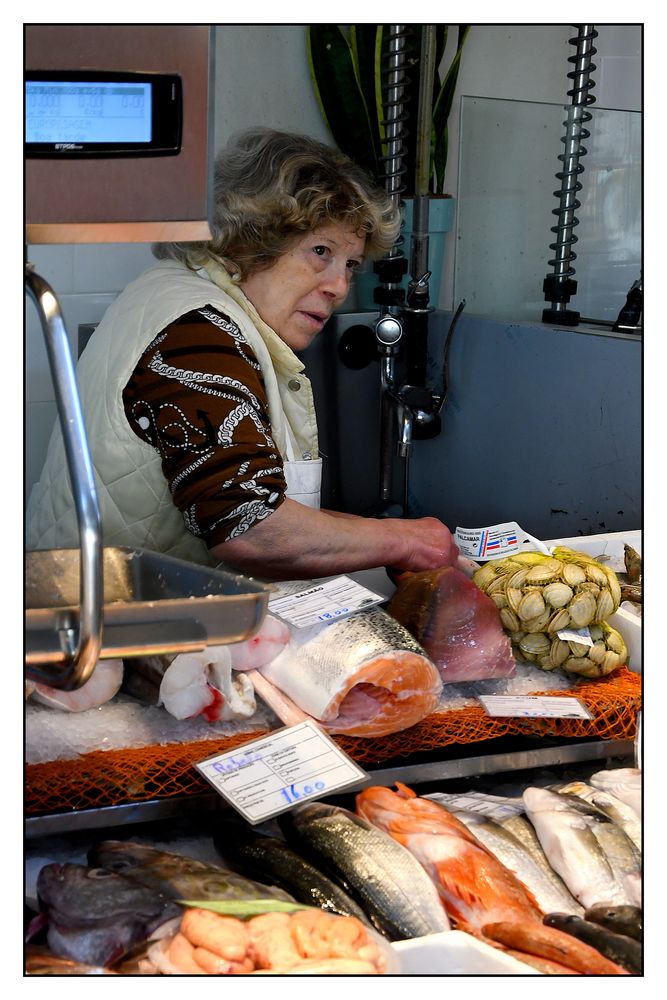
[(363, 676), (457, 624)]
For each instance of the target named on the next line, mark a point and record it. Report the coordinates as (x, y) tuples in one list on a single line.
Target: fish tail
[(547, 942)]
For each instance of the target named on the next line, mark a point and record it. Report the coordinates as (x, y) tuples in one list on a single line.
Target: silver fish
[(623, 782), (620, 812), (524, 831), (385, 878), (623, 857), (572, 848), (511, 852)]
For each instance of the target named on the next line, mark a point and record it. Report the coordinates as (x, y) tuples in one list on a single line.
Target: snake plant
[(346, 70)]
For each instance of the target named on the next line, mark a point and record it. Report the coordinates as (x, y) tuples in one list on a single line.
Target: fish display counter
[(536, 873)]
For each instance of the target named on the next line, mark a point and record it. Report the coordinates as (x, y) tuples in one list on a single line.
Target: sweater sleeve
[(197, 396)]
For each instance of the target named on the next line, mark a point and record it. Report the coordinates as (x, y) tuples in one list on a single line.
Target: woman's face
[(298, 293)]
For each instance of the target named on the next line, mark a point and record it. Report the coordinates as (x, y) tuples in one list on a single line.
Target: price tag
[(534, 706), (496, 542), (580, 635), (273, 774), (324, 602)]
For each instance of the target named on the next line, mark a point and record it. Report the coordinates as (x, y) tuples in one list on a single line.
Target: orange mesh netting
[(137, 774)]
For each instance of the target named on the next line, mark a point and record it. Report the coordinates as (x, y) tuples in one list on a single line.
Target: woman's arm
[(298, 542)]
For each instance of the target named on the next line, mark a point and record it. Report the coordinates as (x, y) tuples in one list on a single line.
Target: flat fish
[(364, 675), (457, 624), (388, 882)]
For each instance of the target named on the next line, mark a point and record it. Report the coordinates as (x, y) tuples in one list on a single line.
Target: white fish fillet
[(572, 849), (364, 675), (101, 686), (202, 684), (623, 782), (261, 648)]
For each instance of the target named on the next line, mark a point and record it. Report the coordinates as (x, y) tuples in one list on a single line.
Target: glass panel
[(507, 182)]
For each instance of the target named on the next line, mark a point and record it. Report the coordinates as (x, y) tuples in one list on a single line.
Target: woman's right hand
[(426, 543)]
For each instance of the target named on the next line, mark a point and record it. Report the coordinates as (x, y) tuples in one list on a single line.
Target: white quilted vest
[(134, 498)]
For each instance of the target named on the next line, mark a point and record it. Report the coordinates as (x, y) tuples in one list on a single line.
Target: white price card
[(496, 541), (270, 775), (324, 602), (534, 706)]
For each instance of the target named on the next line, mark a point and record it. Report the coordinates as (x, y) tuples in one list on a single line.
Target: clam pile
[(539, 597)]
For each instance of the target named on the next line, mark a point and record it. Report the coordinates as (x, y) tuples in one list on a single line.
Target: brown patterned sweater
[(197, 396)]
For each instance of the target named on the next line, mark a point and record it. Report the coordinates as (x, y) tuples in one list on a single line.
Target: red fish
[(482, 896), (456, 623)]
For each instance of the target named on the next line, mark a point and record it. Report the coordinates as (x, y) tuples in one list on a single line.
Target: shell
[(615, 642), (582, 609), (484, 575), (517, 578), (610, 662), (538, 624), (499, 600), (605, 606), (581, 665), (578, 648), (531, 605), (588, 587), (534, 645), (597, 652), (572, 574), (557, 594), (514, 598), (546, 571), (596, 574), (510, 620), (561, 619), (559, 653)]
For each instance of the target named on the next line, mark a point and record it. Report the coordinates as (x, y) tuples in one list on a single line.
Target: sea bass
[(388, 882), (568, 837), (457, 624), (175, 876), (271, 860), (623, 782), (479, 893), (364, 675), (620, 812), (551, 894), (95, 917), (524, 831)]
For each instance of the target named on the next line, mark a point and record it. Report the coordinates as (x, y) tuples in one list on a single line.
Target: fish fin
[(404, 791)]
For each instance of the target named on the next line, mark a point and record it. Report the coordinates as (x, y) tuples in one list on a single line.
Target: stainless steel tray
[(152, 603)]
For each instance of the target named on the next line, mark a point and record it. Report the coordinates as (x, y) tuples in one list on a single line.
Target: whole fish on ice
[(383, 876), (457, 624), (625, 951), (623, 782), (524, 831), (550, 893), (575, 842), (97, 916), (271, 860), (479, 893), (619, 811), (364, 675), (176, 876)]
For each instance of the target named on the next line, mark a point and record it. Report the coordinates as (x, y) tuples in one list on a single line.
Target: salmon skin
[(457, 624), (364, 675), (479, 893)]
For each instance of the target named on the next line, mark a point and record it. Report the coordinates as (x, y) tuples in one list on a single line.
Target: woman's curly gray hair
[(271, 187)]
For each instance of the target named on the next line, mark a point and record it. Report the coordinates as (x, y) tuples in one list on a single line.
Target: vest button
[(294, 385)]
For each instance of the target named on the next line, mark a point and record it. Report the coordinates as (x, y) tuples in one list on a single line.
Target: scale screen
[(102, 114)]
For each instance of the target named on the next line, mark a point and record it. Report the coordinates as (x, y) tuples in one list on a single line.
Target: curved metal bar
[(83, 649)]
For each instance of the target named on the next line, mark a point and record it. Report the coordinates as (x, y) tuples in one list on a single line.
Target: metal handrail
[(83, 648)]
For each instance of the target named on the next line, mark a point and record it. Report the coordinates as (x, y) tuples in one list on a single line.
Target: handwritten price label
[(273, 774)]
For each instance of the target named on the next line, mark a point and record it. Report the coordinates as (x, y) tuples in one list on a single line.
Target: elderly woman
[(201, 422)]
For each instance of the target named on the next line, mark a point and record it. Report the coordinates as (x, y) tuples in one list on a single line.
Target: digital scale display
[(87, 112), (81, 113)]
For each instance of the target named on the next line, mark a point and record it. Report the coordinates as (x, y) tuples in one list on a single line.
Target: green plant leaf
[(244, 907), (363, 42), (339, 94), (442, 108)]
